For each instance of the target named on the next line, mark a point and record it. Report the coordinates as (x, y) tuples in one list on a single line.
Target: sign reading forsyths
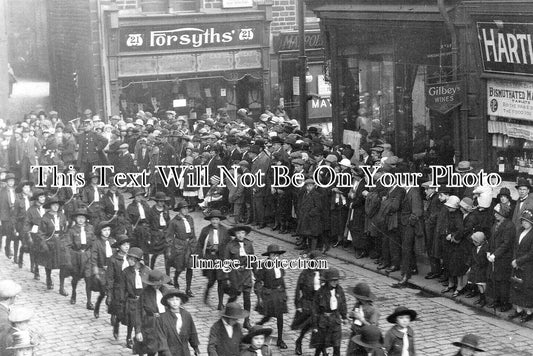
[(175, 37), (444, 97)]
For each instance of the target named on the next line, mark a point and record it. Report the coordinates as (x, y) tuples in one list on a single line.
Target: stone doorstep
[(417, 282)]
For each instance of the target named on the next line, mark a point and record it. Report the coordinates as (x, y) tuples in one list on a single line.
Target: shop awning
[(511, 130), (366, 12)]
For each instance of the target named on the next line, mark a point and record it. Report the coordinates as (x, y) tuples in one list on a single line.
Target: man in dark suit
[(225, 335), (30, 149), (524, 202), (91, 145), (260, 165), (7, 212)]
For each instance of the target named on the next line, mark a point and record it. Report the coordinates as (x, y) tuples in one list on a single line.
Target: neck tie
[(316, 281), (162, 221), (26, 203), (215, 236), (277, 273), (56, 223), (333, 300), (178, 322), (158, 297), (41, 211), (187, 225), (141, 211), (138, 280), (11, 196), (96, 195), (405, 347), (74, 189), (83, 235), (125, 263), (108, 250), (242, 252), (258, 352), (115, 202)]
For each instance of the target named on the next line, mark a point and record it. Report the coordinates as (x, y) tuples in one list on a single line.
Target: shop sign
[(176, 37), (289, 41), (227, 4), (443, 97), (513, 100), (319, 108), (506, 47)]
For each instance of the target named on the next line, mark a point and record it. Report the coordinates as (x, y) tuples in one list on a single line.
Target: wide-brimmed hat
[(137, 191), (50, 201), (161, 196), (81, 211), (234, 311), (504, 192), (215, 214), (9, 176), (273, 248), (173, 292), (362, 291), (9, 288), (527, 215), (19, 187), (155, 278), (469, 340), (103, 224), (522, 182), (463, 166), (400, 311), (37, 193), (19, 314), (254, 331), (502, 210), (370, 336), (120, 239), (181, 204), (233, 230), (331, 274), (453, 202), (135, 252)]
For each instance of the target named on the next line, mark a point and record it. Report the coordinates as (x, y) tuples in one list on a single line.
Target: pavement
[(73, 330)]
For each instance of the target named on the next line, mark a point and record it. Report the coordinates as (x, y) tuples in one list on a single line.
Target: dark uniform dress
[(80, 252), (522, 293), (174, 343), (101, 254), (252, 351), (141, 228), (147, 317), (158, 221), (306, 287), (117, 263), (31, 229), (240, 279), (181, 240), (130, 294), (93, 196), (371, 314), (115, 210), (272, 292), (501, 242), (52, 246), (207, 249), (328, 322), (72, 199)]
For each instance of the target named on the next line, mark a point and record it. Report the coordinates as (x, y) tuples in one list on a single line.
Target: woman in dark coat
[(356, 216), (271, 293), (51, 242), (452, 234), (329, 312), (211, 243), (500, 256), (522, 284), (101, 253), (137, 213), (310, 210), (79, 240), (32, 222), (181, 243)]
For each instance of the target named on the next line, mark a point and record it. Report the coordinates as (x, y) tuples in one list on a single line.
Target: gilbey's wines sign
[(172, 37), (506, 47)]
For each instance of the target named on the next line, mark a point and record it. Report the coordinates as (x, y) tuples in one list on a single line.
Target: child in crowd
[(400, 339), (256, 338)]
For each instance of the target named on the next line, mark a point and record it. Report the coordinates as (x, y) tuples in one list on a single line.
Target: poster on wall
[(513, 100), (228, 4)]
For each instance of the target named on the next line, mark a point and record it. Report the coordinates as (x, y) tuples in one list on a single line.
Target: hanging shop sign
[(228, 4), (513, 100), (176, 37), (506, 47), (290, 41), (444, 97)]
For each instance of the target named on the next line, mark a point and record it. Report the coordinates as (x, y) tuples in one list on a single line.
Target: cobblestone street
[(73, 330)]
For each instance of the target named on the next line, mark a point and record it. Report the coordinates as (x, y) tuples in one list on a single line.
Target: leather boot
[(21, 260), (206, 296), (49, 283), (97, 307), (298, 349), (482, 301), (73, 297), (116, 326)]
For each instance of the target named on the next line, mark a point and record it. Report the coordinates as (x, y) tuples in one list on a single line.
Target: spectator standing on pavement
[(400, 339), (310, 210), (478, 262), (524, 202)]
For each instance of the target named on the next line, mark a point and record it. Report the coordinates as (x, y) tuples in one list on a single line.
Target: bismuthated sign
[(506, 47), (175, 37), (443, 97), (513, 100)]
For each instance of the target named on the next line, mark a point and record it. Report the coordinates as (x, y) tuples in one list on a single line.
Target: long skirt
[(150, 343), (329, 332), (274, 302), (52, 253), (80, 265)]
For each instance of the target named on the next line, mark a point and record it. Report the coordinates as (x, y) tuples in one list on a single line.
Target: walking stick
[(493, 288)]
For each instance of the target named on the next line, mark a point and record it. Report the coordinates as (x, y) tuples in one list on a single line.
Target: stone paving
[(73, 330)]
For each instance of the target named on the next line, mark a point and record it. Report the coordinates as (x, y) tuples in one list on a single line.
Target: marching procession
[(111, 237)]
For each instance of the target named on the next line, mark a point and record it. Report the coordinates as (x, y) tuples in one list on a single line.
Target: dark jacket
[(310, 210), (220, 344), (172, 343), (501, 242), (394, 341)]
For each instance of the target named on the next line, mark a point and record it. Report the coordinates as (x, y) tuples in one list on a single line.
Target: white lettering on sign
[(442, 90), (508, 47), (134, 40), (320, 103), (195, 37)]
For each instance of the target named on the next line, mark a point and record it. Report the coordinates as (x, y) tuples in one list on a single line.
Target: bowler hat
[(181, 204), (161, 196), (233, 230), (93, 175), (174, 293), (121, 239), (50, 201), (255, 331), (136, 253), (522, 182), (9, 288), (469, 340), (155, 278), (273, 249), (400, 311), (527, 215), (81, 211), (362, 291), (234, 311), (215, 214), (369, 337)]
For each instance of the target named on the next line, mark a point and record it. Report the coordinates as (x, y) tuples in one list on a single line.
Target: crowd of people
[(111, 237)]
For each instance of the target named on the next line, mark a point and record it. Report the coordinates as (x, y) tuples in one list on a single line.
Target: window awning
[(384, 12)]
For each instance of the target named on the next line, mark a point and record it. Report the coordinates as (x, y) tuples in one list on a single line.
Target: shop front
[(193, 64)]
